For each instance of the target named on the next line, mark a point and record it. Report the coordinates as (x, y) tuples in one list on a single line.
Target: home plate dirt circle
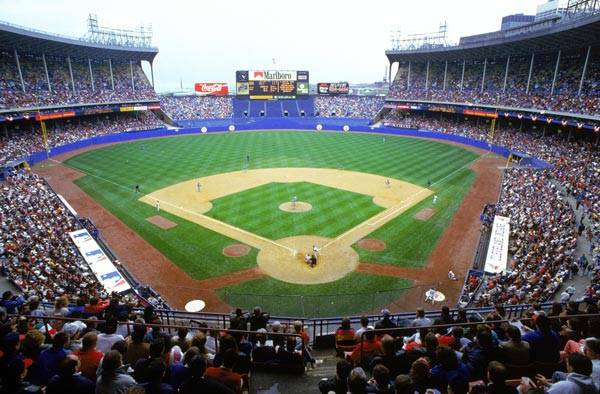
[(372, 245), (333, 262), (299, 206), (236, 250)]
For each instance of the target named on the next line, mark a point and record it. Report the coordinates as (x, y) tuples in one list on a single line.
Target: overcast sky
[(206, 41)]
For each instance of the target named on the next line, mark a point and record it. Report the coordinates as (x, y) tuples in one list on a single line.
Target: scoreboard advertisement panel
[(271, 84), (333, 88)]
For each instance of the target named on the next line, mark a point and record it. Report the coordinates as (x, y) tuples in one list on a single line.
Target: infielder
[(315, 250), (294, 199), (388, 183), (157, 205), (430, 296), (198, 186)]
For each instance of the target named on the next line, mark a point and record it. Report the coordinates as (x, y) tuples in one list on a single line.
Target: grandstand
[(528, 94)]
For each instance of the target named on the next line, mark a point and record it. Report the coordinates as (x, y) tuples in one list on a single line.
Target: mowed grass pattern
[(153, 164), (257, 210), (357, 292)]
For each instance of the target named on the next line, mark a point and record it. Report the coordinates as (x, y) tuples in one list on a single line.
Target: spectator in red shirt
[(224, 374), (370, 348), (96, 306), (89, 357)]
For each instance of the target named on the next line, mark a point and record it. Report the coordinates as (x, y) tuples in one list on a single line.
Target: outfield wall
[(245, 124)]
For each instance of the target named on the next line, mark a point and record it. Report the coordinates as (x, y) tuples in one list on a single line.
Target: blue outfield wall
[(248, 124)]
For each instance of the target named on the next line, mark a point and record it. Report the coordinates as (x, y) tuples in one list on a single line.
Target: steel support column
[(408, 75), (483, 76), (131, 70), (445, 74), (462, 77), (506, 74), (587, 58), (530, 71), (91, 74), (46, 71), (427, 76), (19, 70), (555, 73), (112, 80), (71, 73)]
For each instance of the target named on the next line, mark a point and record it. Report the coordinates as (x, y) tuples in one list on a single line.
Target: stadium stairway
[(272, 383)]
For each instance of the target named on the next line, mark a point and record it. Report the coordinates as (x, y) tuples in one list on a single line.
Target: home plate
[(195, 306)]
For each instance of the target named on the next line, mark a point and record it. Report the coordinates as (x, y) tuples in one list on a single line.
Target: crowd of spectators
[(36, 253), (348, 106), (564, 99), (35, 91), (490, 355), (20, 143), (544, 225), (108, 347), (197, 107)]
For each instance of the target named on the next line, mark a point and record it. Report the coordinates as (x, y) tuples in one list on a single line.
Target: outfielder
[(157, 205)]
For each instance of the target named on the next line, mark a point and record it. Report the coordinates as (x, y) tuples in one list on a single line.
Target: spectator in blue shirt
[(49, 360), (11, 302), (544, 344)]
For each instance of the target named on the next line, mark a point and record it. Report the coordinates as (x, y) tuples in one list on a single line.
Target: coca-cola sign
[(211, 89)]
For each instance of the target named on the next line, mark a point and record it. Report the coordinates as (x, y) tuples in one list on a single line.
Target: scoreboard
[(268, 85)]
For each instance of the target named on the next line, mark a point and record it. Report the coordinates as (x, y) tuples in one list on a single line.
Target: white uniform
[(430, 296), (435, 198), (387, 183), (157, 206), (315, 249), (451, 275)]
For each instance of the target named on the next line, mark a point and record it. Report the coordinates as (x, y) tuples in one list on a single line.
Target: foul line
[(291, 250), (237, 229), (394, 210)]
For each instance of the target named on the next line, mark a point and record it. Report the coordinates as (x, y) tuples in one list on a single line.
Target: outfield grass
[(114, 171), (355, 293), (257, 210)]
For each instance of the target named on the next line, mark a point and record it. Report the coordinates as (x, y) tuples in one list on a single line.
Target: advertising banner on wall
[(497, 254), (104, 270), (211, 89)]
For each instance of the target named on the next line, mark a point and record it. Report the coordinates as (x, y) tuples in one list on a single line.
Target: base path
[(284, 259)]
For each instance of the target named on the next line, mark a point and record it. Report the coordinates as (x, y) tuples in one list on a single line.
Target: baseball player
[(294, 199), (315, 250), (430, 296), (451, 275), (198, 186), (388, 183), (137, 188), (157, 205), (435, 198)]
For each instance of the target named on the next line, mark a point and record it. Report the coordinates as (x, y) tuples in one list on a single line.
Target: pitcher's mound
[(299, 206), (372, 245), (424, 214), (236, 250), (161, 222)]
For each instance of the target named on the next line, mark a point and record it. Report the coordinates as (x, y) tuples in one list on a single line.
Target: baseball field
[(234, 215)]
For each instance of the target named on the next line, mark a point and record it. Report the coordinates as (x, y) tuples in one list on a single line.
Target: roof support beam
[(585, 65), (71, 73), (483, 76), (427, 76), (152, 74), (462, 77), (46, 71), (506, 74), (91, 74), (131, 70), (112, 80), (445, 74), (530, 72), (555, 73), (20, 72)]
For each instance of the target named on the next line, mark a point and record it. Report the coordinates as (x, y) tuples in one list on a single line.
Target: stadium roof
[(37, 42), (540, 37)]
